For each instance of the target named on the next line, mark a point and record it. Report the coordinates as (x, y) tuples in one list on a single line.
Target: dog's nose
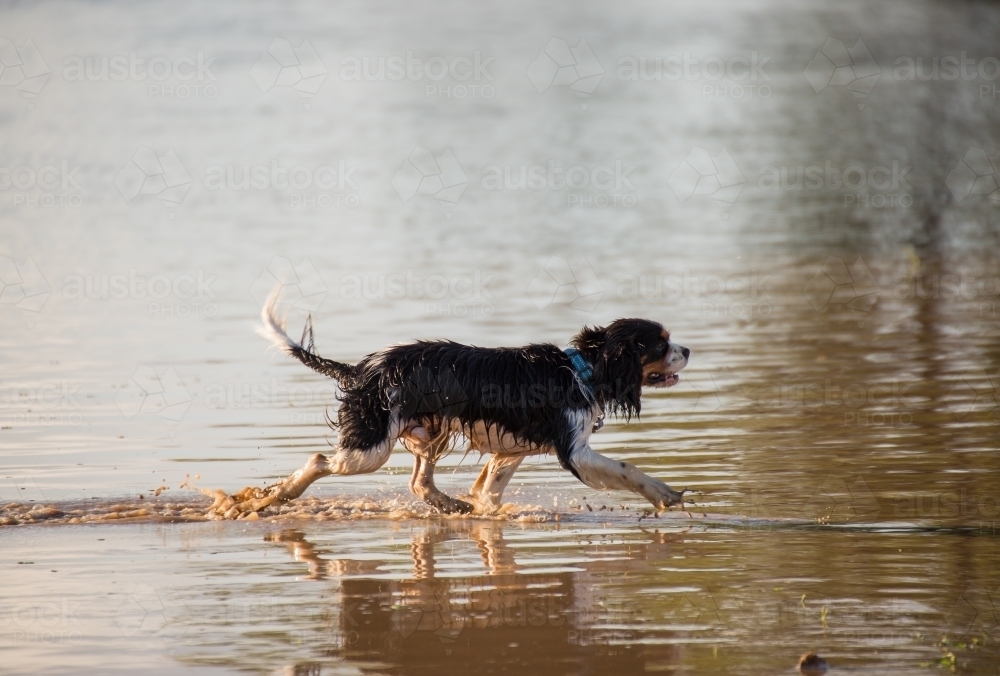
[(686, 352)]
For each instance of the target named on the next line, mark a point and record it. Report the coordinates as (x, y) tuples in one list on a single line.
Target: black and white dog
[(508, 402)]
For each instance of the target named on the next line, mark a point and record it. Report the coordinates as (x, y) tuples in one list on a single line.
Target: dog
[(507, 402)]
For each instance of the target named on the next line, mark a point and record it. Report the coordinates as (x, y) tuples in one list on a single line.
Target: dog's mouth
[(656, 379)]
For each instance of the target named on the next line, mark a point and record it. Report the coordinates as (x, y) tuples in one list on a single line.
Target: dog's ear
[(590, 340), (618, 373)]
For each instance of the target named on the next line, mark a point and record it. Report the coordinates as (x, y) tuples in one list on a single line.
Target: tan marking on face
[(663, 372)]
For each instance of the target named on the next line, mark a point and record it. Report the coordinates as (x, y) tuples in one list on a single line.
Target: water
[(842, 441)]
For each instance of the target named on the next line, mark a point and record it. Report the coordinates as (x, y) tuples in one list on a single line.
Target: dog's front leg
[(497, 555), (603, 473), (487, 492)]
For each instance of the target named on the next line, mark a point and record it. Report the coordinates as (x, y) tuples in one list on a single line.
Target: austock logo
[(559, 65), (560, 283), (976, 612), (164, 615), (836, 283), (396, 68), (23, 68), (461, 295), (300, 284), (182, 70), (427, 392), (46, 186), (610, 180), (163, 394), (23, 287), (446, 615), (701, 174), (424, 174), (975, 174), (845, 500), (304, 186), (836, 64), (147, 173), (976, 392), (284, 65)]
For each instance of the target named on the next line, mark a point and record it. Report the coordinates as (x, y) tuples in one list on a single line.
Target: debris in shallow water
[(347, 508), (812, 664)]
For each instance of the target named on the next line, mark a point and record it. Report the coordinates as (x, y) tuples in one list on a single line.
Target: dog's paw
[(463, 507), (482, 505), (447, 505), (663, 496), (243, 505)]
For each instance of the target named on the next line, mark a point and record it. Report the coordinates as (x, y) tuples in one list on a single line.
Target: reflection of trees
[(916, 340)]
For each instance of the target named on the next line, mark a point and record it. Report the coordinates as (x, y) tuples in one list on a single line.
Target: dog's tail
[(274, 330)]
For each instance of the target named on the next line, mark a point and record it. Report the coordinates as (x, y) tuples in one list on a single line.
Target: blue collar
[(583, 368)]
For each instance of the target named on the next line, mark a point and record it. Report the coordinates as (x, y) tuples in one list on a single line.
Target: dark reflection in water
[(574, 600), (490, 622)]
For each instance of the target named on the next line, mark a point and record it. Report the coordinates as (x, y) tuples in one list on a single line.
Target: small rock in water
[(812, 664)]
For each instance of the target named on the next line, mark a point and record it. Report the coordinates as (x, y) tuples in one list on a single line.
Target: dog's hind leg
[(425, 455), (342, 462), (486, 494), (365, 445)]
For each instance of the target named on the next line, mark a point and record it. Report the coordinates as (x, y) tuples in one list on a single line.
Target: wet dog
[(507, 402)]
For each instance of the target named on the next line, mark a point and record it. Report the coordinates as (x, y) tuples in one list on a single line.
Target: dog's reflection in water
[(502, 618), (497, 556), (306, 552)]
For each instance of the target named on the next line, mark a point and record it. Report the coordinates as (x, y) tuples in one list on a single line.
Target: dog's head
[(630, 354)]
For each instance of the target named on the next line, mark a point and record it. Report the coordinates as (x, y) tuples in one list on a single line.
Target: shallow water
[(457, 594), (839, 422)]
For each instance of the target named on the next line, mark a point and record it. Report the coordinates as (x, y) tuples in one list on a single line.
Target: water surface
[(839, 421)]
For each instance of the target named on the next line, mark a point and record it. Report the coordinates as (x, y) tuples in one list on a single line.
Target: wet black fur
[(524, 391)]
